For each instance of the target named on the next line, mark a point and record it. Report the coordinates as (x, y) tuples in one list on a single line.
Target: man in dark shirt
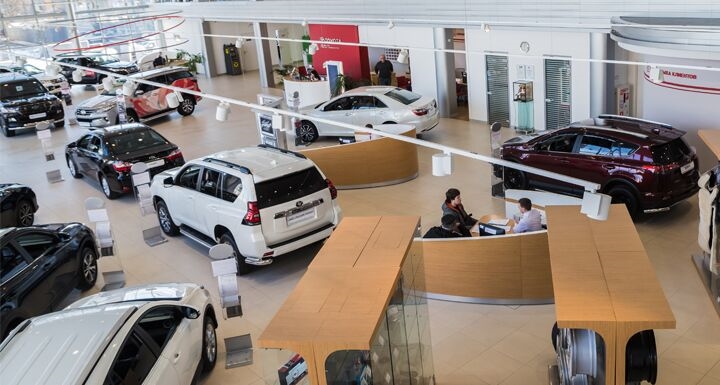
[(450, 228), (384, 70)]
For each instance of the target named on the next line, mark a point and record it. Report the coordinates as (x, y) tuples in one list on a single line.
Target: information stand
[(496, 181), (271, 126), (112, 270), (152, 235), (53, 173)]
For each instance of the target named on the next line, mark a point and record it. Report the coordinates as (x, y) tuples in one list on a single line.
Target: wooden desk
[(712, 139), (603, 280), (475, 231)]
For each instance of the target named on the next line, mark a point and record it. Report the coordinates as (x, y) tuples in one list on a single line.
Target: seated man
[(530, 219), (450, 228)]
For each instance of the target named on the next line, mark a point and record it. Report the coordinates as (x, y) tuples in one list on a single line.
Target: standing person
[(450, 228), (384, 70), (453, 205), (530, 219)]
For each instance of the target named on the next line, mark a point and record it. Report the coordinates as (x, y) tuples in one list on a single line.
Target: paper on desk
[(499, 222)]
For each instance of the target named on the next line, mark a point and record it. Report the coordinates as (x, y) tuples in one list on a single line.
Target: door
[(52, 264), (558, 94), (16, 288), (182, 199), (149, 99), (366, 111), (89, 159), (339, 110), (555, 154), (498, 93), (208, 202)]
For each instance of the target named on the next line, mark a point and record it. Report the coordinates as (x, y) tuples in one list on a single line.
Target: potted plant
[(191, 60)]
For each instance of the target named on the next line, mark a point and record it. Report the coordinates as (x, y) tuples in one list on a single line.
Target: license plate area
[(37, 116), (687, 168), (156, 163), (300, 216)]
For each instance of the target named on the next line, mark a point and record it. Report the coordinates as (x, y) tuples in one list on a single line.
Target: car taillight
[(174, 155), (420, 111), (121, 166), (333, 190), (657, 169), (252, 217)]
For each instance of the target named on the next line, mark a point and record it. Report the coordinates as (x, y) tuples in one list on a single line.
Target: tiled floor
[(473, 344)]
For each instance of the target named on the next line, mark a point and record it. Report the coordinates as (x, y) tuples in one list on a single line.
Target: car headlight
[(9, 110), (106, 108)]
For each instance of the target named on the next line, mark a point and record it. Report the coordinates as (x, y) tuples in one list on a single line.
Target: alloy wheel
[(210, 342), (89, 268), (105, 186), (25, 214), (164, 218)]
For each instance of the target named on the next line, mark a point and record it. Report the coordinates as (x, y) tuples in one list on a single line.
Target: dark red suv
[(646, 165)]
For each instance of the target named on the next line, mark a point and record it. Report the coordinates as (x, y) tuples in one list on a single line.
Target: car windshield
[(31, 69), (105, 59), (674, 151), (21, 89), (403, 96), (133, 141)]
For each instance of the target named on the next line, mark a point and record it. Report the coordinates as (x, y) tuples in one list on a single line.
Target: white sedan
[(160, 334), (368, 105)]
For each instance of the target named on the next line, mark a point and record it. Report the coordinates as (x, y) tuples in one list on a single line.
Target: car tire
[(242, 267), (131, 116), (59, 124), (24, 213), (389, 122), (72, 166), (187, 106), (6, 131), (307, 132), (88, 269), (165, 220), (105, 187), (622, 194), (514, 179), (209, 345)]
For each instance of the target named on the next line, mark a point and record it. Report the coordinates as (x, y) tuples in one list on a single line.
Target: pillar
[(263, 54), (445, 73), (598, 75)]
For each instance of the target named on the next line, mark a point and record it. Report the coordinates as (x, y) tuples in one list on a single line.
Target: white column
[(598, 74), (445, 73)]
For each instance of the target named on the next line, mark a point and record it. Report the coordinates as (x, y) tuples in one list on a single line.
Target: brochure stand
[(496, 181), (53, 173), (224, 267), (112, 270), (270, 126), (152, 235)]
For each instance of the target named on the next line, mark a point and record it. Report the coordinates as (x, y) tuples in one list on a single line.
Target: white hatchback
[(368, 105), (160, 334), (261, 200)]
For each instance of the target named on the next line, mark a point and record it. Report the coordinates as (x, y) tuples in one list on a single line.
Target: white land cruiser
[(261, 200)]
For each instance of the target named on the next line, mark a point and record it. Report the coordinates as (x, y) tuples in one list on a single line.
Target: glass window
[(36, 244), (289, 187), (160, 323), (362, 102), (128, 142), (379, 103), (339, 105), (22, 88), (173, 76), (620, 149), (85, 141), (231, 187), (403, 96), (210, 182), (189, 177), (12, 262), (595, 145), (560, 143), (134, 362), (675, 151)]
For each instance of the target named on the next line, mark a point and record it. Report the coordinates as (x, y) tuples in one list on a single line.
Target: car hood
[(97, 101), (522, 139), (119, 65), (13, 102), (48, 78), (144, 293)]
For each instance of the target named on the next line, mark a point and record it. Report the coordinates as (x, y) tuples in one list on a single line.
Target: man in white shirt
[(530, 219)]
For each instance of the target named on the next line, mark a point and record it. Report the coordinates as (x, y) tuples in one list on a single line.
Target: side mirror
[(167, 182), (139, 92), (190, 313), (72, 144)]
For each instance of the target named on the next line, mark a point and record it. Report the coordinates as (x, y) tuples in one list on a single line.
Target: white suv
[(161, 334), (261, 200)]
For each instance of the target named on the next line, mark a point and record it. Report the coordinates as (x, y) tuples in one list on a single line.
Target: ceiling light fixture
[(313, 48), (238, 43), (304, 23), (391, 25), (486, 27)]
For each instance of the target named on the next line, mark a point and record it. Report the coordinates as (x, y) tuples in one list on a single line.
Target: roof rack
[(227, 164), (284, 151), (620, 130), (634, 120)]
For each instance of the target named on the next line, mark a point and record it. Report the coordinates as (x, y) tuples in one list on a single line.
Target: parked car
[(644, 164), (40, 266), (263, 201), (146, 102), (368, 105), (93, 61), (107, 154), (18, 205), (25, 102), (53, 83), (154, 334)]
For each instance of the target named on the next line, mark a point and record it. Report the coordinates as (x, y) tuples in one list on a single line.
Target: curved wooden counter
[(503, 269), (372, 163)]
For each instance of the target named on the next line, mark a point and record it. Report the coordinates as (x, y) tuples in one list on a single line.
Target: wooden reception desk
[(371, 163)]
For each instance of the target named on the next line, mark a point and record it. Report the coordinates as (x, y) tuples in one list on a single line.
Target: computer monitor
[(486, 229)]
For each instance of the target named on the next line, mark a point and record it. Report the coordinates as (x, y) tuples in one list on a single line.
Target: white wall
[(374, 55), (422, 61), (686, 110), (501, 42), (192, 30), (248, 53)]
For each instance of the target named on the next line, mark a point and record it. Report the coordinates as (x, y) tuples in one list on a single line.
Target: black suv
[(646, 165), (25, 102), (107, 154), (102, 62)]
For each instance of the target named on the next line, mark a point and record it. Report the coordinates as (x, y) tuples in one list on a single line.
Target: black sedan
[(107, 154), (40, 266), (17, 205)]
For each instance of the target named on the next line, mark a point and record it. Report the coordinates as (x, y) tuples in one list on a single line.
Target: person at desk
[(450, 228), (384, 70), (453, 205), (530, 219)]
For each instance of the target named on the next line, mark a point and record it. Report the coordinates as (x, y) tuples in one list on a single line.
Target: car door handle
[(176, 358), (46, 265), (565, 161), (608, 166)]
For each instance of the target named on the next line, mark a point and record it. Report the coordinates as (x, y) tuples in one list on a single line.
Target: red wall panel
[(354, 58)]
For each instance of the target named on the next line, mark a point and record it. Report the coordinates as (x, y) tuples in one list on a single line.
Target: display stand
[(224, 267), (112, 271), (497, 188), (523, 98), (270, 126), (152, 235), (53, 173)]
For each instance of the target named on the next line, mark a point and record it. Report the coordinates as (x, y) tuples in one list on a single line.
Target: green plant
[(347, 83), (191, 59)]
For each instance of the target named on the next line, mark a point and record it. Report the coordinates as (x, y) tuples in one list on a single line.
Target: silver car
[(369, 105)]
